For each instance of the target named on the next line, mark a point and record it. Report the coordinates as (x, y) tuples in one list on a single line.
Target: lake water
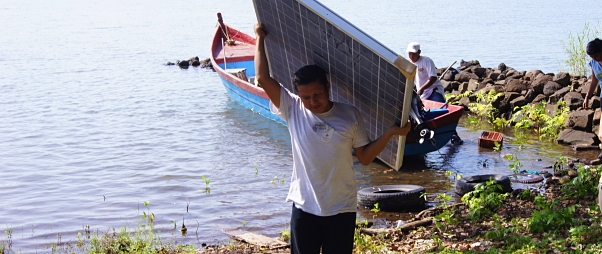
[(93, 125)]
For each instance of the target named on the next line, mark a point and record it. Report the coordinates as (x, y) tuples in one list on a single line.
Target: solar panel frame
[(362, 71)]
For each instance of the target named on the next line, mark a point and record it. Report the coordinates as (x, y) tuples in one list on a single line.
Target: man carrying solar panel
[(323, 133)]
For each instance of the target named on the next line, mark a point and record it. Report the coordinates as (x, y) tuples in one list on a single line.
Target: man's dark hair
[(594, 47), (308, 74)]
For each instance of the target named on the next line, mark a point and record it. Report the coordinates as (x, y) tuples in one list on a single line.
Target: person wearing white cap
[(428, 86)]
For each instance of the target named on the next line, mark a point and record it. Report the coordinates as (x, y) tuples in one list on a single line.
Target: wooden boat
[(232, 54)]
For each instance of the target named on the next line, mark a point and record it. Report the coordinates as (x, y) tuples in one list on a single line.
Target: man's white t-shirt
[(426, 69), (323, 179)]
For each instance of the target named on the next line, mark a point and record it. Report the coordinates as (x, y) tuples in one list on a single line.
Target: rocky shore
[(520, 88)]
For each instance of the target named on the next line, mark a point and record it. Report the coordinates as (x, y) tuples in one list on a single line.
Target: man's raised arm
[(262, 70)]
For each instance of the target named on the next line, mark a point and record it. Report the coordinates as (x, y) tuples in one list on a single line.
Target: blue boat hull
[(251, 101)]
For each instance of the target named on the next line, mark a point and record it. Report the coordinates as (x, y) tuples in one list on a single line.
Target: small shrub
[(574, 47), (585, 184), (483, 107), (485, 199), (550, 217)]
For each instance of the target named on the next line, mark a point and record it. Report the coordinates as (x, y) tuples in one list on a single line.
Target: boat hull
[(256, 103)]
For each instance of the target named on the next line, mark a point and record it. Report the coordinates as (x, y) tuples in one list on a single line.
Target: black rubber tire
[(467, 184), (392, 198), (526, 178)]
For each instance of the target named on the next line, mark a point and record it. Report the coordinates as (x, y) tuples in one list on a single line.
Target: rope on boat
[(229, 41)]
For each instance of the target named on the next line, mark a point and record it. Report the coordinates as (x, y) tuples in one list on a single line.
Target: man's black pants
[(334, 234)]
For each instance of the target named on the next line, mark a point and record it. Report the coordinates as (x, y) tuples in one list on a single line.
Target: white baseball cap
[(413, 47)]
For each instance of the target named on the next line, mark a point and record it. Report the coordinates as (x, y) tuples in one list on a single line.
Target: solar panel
[(362, 72)]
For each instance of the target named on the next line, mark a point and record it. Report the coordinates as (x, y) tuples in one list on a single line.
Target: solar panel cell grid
[(298, 36)]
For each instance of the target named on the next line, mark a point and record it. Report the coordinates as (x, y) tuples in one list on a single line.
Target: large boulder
[(496, 88), (559, 95), (539, 97), (502, 67), (454, 85), (583, 89), (580, 120), (574, 100), (539, 82), (516, 85), (466, 64), (494, 75), (576, 137), (550, 88), (473, 85), (465, 76), (512, 73), (530, 95), (504, 104), (562, 78), (463, 87), (530, 75), (518, 102), (485, 82), (477, 70)]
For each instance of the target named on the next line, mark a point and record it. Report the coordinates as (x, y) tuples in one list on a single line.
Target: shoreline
[(515, 90)]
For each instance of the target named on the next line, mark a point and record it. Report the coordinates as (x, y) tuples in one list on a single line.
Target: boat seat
[(253, 81), (240, 73)]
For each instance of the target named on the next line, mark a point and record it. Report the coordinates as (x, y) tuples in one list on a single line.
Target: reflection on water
[(93, 124)]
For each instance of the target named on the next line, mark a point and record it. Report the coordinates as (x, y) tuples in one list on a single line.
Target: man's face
[(414, 56), (597, 57), (315, 97)]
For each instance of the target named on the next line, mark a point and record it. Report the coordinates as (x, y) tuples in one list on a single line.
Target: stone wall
[(520, 88)]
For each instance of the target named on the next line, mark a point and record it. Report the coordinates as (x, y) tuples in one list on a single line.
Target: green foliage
[(207, 181), (483, 107), (150, 216), (369, 244), (453, 99), (285, 235), (574, 47), (515, 164), (5, 246), (550, 217), (447, 216), (140, 241), (443, 199), (583, 234), (585, 184), (502, 123), (515, 241), (484, 200), (526, 195), (375, 210), (497, 146), (534, 116)]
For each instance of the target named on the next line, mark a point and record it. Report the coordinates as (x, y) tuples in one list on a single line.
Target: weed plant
[(483, 107), (574, 47), (535, 116), (484, 200), (585, 185)]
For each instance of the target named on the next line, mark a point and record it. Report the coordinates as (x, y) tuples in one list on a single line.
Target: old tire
[(467, 184), (392, 197), (526, 178)]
